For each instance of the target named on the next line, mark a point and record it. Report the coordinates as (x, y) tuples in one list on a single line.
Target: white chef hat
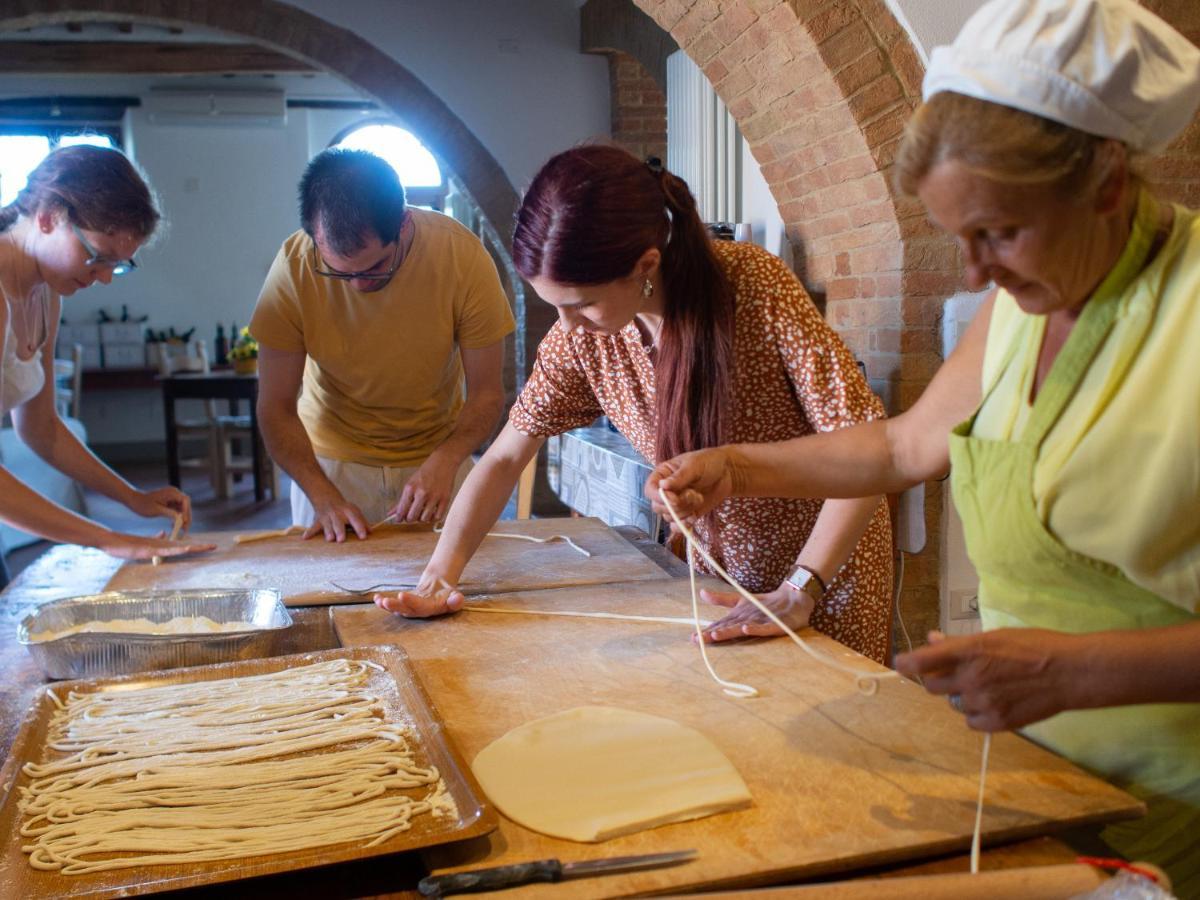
[(1106, 67)]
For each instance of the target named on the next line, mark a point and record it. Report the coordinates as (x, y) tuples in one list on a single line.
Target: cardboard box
[(182, 357), (124, 355), (91, 357), (88, 335), (122, 333)]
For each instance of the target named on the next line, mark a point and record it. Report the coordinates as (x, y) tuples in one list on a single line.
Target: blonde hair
[(1003, 144)]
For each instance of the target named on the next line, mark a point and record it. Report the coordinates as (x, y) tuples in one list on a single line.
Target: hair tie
[(654, 164)]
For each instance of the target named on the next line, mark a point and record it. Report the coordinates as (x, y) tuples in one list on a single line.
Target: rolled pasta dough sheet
[(597, 772)]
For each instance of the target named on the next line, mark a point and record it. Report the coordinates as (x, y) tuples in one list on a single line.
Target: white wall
[(930, 23), (229, 195), (510, 69), (760, 209)]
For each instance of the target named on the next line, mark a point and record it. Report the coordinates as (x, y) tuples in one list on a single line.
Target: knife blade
[(547, 870)]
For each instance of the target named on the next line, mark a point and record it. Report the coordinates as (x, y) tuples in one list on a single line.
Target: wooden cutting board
[(840, 781), (305, 570)]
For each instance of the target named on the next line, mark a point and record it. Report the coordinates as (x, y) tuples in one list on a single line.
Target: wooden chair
[(68, 383), (525, 488), (221, 433)]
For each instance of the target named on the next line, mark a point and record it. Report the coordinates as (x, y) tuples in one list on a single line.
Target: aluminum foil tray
[(94, 654)]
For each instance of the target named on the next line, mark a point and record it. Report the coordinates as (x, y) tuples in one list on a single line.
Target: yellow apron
[(1029, 578)]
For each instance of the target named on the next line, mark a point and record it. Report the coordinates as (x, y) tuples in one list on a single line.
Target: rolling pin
[(1058, 882)]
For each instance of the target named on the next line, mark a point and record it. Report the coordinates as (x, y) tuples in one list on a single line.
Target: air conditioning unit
[(206, 107)]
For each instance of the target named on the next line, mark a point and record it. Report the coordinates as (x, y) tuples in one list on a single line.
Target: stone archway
[(821, 91)]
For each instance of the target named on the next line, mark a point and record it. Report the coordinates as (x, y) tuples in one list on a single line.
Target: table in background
[(214, 386)]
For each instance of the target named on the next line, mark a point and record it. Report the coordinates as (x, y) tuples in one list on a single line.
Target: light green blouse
[(1118, 475)]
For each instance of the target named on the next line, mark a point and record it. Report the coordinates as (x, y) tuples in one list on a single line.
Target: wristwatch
[(807, 580)]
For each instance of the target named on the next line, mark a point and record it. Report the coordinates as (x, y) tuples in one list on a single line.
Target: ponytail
[(696, 347), (587, 218)]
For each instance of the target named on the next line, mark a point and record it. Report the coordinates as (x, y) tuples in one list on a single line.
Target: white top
[(20, 379)]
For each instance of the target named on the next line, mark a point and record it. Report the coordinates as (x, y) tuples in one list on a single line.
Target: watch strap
[(807, 580)]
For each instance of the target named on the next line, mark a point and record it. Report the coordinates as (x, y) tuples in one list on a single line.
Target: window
[(704, 146), (20, 154), (419, 172)]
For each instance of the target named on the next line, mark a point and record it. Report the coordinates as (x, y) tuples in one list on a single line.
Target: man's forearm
[(476, 421), (290, 447)]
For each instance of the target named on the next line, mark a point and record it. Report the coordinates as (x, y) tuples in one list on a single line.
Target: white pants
[(373, 489)]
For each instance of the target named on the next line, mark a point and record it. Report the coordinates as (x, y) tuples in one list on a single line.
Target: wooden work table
[(898, 829)]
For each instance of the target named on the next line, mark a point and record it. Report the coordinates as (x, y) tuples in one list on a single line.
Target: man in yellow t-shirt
[(371, 320)]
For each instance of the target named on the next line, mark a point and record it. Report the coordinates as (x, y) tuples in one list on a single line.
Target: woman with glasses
[(80, 218)]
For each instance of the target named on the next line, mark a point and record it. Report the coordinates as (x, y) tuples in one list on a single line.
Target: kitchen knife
[(548, 870)]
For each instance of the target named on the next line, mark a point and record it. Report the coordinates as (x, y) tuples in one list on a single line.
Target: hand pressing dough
[(598, 772)]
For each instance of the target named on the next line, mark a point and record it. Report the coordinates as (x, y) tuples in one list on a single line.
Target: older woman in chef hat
[(1070, 413)]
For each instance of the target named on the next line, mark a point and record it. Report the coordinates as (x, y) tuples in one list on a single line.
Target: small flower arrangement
[(244, 353), (245, 346)]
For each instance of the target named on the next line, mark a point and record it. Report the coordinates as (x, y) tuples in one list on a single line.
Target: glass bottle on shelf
[(221, 347)]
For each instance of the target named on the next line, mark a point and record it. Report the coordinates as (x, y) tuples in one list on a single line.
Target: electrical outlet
[(964, 605)]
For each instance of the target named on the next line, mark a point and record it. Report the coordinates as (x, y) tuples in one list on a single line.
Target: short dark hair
[(351, 194)]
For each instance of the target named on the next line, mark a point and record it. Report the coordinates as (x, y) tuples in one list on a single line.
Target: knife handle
[(492, 879)]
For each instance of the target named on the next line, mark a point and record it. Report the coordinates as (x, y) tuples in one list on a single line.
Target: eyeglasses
[(371, 274), (95, 258)]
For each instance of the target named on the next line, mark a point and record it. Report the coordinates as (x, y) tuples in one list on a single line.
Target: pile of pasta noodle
[(215, 770)]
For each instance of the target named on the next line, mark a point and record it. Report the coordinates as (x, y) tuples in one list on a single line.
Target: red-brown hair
[(589, 216), (97, 187)]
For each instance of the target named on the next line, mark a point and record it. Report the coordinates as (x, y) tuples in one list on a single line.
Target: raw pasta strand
[(215, 770), (867, 680), (437, 529), (977, 833)]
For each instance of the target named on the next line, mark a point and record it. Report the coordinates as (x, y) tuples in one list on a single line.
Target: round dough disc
[(597, 772)]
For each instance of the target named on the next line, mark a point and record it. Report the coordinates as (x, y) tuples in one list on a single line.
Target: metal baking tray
[(405, 703), (98, 654)]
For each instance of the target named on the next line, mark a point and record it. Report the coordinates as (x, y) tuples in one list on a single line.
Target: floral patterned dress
[(792, 376)]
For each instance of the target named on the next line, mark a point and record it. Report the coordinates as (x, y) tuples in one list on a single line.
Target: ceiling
[(114, 58)]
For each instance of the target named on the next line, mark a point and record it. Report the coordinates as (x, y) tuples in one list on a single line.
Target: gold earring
[(647, 289)]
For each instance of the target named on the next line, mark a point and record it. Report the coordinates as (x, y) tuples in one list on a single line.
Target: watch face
[(800, 578), (804, 580)]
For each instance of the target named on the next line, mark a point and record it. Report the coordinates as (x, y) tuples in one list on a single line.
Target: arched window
[(20, 154), (424, 183)]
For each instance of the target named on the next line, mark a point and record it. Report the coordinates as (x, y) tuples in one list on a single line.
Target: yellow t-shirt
[(383, 383), (1117, 477)]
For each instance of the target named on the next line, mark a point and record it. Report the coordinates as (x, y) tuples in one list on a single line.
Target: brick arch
[(821, 92)]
